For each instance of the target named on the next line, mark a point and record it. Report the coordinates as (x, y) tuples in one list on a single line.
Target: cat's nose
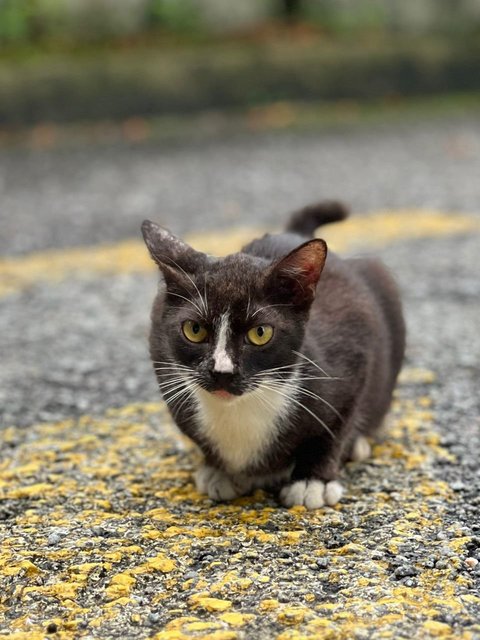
[(222, 379)]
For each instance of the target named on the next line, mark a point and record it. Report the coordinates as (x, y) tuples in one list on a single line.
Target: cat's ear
[(175, 258), (294, 277)]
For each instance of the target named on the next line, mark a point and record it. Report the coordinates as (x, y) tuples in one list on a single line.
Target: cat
[(276, 361)]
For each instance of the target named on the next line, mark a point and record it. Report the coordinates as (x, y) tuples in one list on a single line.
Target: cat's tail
[(307, 220)]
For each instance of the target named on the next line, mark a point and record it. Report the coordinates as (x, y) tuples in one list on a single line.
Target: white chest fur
[(241, 430)]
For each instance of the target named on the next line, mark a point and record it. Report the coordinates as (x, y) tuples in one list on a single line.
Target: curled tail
[(306, 220)]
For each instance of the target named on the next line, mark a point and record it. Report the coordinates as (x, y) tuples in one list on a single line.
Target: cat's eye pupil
[(260, 335), (195, 327)]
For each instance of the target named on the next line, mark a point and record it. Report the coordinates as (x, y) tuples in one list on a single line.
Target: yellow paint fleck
[(292, 615), (160, 563), (351, 548), (269, 604), (170, 634), (202, 626), (120, 586), (236, 619), (37, 490), (210, 604), (417, 375), (178, 623), (28, 567), (435, 628), (292, 537)]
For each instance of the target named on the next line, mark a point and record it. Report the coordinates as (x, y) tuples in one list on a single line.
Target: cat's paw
[(311, 494), (361, 449), (217, 485)]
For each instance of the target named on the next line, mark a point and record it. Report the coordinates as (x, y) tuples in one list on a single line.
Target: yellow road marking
[(361, 233), (105, 472)]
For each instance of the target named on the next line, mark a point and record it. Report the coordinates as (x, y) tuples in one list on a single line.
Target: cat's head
[(228, 323)]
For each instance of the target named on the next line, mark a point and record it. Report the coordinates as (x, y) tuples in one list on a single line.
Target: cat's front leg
[(313, 483), (218, 485)]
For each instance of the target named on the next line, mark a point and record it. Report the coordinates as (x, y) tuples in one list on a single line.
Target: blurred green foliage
[(70, 21), (79, 22), (31, 20), (183, 17)]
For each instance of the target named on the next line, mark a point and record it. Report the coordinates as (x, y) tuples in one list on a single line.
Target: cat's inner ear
[(294, 278), (175, 258)]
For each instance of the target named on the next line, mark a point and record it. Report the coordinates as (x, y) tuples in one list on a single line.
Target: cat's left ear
[(174, 257), (295, 276)]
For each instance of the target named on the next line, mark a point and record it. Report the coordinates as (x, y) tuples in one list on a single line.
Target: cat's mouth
[(223, 394)]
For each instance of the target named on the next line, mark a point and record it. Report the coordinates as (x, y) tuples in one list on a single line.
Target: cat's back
[(358, 309)]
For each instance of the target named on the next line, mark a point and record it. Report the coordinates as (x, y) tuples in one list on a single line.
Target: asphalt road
[(102, 532)]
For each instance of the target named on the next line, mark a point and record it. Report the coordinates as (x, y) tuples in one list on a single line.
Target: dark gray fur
[(350, 323)]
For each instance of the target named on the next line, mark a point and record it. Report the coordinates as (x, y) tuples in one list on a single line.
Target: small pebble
[(54, 538), (404, 571), (153, 618), (471, 563), (190, 575)]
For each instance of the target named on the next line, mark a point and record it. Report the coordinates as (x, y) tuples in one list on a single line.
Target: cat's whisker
[(205, 293), (310, 394), (301, 405), (171, 365), (170, 372), (181, 403), (302, 355), (294, 366), (194, 304), (269, 306), (264, 400), (179, 390), (247, 314), (205, 308), (165, 386), (163, 378), (172, 369), (183, 406), (301, 378)]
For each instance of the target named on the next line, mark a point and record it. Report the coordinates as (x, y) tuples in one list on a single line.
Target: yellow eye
[(260, 335), (194, 331)]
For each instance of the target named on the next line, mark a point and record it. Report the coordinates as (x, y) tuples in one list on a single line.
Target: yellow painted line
[(361, 233), (124, 472)]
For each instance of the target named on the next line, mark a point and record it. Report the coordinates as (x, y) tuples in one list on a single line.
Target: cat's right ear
[(175, 258), (294, 278)]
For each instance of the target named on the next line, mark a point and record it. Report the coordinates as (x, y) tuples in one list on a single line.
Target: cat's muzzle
[(229, 382)]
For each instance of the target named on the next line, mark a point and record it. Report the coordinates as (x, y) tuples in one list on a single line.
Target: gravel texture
[(102, 533)]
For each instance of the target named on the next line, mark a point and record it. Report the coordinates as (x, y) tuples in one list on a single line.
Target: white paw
[(312, 494), (361, 449), (217, 485)]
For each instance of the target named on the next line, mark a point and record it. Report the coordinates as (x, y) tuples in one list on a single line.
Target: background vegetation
[(65, 60)]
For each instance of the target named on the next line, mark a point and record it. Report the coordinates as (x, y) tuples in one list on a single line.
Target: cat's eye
[(260, 335), (194, 331)]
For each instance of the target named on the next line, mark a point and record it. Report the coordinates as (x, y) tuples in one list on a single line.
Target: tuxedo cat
[(276, 361)]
